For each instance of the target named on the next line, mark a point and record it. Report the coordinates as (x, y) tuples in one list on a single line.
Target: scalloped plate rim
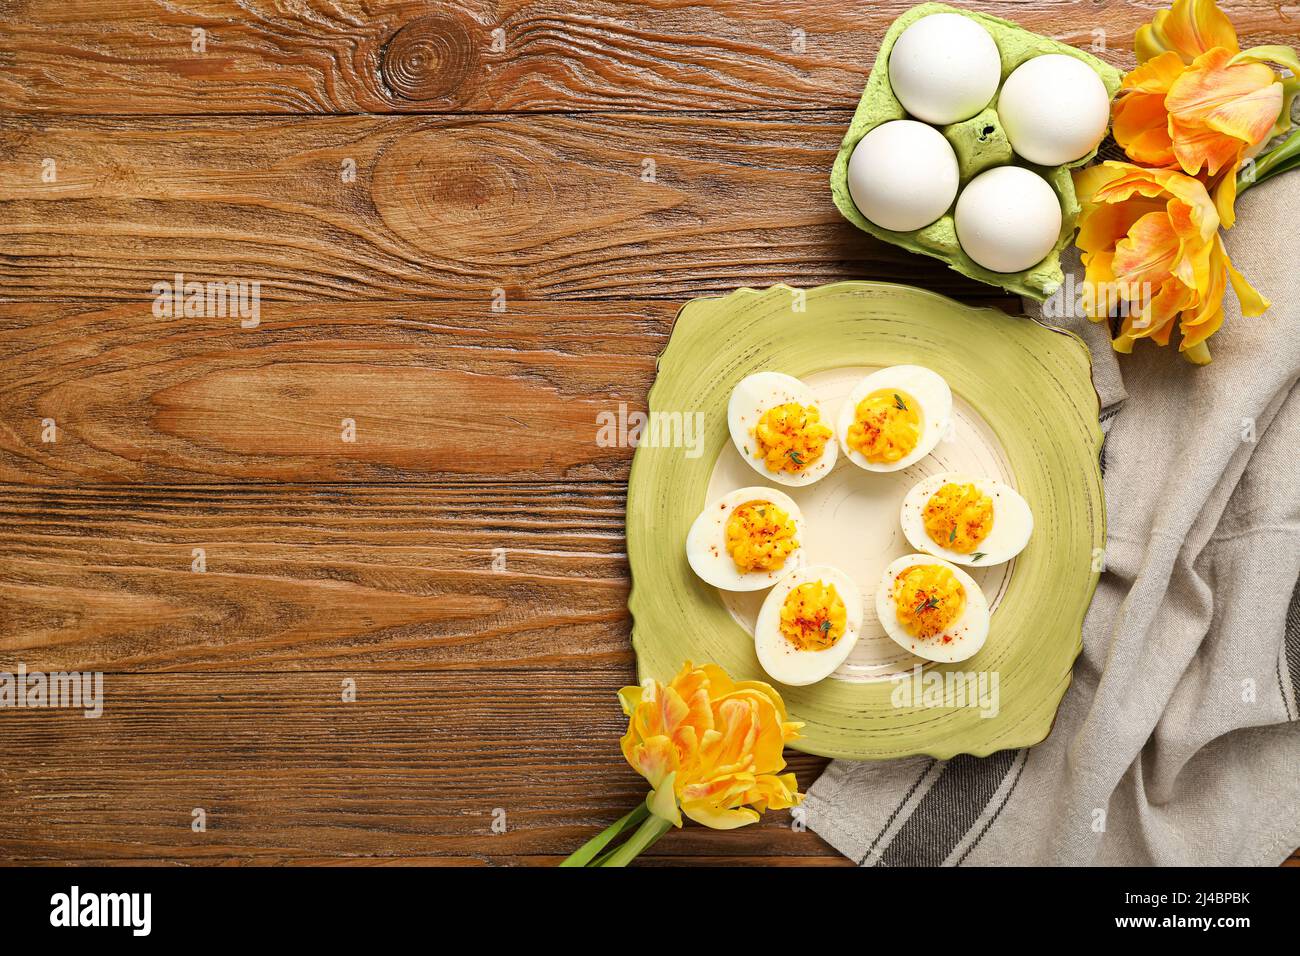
[(1035, 734)]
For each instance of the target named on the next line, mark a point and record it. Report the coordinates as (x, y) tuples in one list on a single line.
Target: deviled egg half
[(932, 608), (779, 429), (808, 624), (894, 417), (747, 540), (966, 519)]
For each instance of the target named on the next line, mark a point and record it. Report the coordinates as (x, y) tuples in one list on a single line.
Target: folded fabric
[(1177, 742)]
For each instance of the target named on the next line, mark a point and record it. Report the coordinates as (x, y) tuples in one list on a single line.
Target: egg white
[(750, 399), (706, 542), (784, 662), (931, 393), (968, 632), (1013, 522)]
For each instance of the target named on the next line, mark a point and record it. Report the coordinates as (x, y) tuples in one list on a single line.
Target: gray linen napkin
[(1177, 742)]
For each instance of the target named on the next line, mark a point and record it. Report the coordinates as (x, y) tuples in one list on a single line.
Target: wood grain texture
[(288, 772), (377, 56), (435, 391), (537, 206), (452, 577), (523, 171)]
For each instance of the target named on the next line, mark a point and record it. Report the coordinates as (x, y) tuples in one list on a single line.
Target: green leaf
[(588, 851), (899, 403), (1276, 161), (1274, 53), (645, 837)]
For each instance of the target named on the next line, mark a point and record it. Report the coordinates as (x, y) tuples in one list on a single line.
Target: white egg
[(960, 639), (944, 68), (750, 400), (1013, 522), (907, 388), (706, 542), (903, 175), (1008, 219), (1054, 109), (785, 661)]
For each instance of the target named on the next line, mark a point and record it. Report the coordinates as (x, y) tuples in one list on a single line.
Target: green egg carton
[(979, 143)]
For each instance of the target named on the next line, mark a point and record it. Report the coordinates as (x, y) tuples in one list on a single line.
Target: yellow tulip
[(1198, 102), (1189, 28), (1150, 243), (710, 747)]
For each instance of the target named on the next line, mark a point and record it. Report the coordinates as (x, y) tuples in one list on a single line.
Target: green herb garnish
[(795, 457), (952, 535), (926, 605), (899, 403), (977, 555)]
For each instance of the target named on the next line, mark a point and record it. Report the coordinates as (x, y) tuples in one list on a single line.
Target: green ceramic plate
[(1025, 407)]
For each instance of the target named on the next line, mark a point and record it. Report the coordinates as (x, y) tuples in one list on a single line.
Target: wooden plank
[(435, 390), (381, 56), (534, 206), (455, 578), (286, 772)]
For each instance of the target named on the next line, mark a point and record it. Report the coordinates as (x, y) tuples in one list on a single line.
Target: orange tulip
[(1151, 246), (1198, 102)]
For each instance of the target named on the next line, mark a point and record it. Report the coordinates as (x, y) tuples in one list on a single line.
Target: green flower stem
[(1275, 161), (644, 838), (588, 851)]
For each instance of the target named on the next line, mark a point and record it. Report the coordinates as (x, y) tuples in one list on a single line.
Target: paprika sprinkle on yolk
[(813, 616), (760, 536), (886, 426), (790, 437), (958, 517), (928, 599)]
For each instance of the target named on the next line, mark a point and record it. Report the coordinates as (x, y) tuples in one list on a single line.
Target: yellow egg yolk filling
[(760, 536), (958, 517), (813, 616), (790, 437), (886, 426), (928, 599)]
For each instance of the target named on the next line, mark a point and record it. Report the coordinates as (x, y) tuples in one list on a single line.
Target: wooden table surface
[(472, 224)]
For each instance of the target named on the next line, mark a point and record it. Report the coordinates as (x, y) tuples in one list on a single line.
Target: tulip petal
[(1217, 100), (1089, 180), (1141, 127), (1225, 196), (654, 759), (1190, 27), (629, 698), (720, 819), (1147, 253), (1253, 303), (662, 801)]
